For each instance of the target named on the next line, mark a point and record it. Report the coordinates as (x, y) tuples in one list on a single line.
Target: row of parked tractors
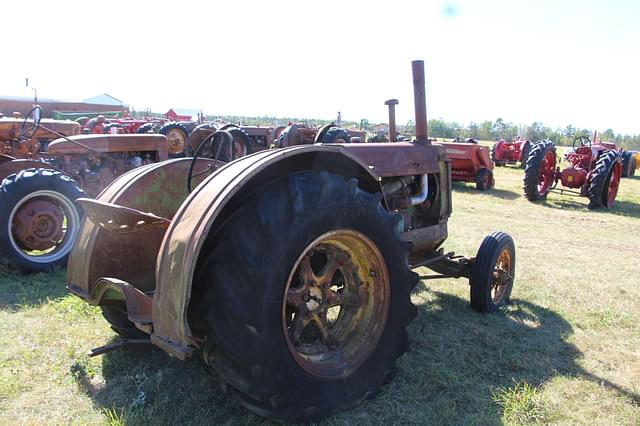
[(471, 163), (284, 256)]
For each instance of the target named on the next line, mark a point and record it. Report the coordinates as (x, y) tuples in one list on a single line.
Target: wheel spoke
[(295, 296), (325, 332), (300, 322)]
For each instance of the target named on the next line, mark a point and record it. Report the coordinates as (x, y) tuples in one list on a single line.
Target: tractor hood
[(104, 144)]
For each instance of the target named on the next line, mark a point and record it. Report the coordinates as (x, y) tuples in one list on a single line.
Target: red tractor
[(594, 171), (510, 152)]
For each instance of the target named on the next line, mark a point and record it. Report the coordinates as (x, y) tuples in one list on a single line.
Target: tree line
[(499, 129)]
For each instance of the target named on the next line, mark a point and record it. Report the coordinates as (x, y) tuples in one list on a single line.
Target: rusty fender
[(220, 195), (130, 254)]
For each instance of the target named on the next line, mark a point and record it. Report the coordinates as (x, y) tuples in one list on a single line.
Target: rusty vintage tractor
[(510, 152), (289, 269), (41, 181), (594, 171)]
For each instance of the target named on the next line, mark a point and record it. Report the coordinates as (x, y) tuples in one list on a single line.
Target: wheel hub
[(336, 303), (38, 225)]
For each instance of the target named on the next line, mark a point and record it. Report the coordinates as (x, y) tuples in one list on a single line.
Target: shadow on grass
[(464, 356), (458, 359), (29, 290), (499, 193), (620, 208)]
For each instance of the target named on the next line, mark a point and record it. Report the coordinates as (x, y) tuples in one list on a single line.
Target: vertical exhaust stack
[(420, 101), (391, 103)]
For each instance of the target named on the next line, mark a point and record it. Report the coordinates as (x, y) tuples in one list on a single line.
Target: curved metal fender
[(159, 188), (210, 203)]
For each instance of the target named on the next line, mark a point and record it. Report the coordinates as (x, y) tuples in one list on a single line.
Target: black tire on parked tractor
[(539, 169), (605, 179), (107, 129), (628, 164), (147, 128), (116, 316), (39, 219), (526, 149), (305, 297), (335, 135), (492, 273), (176, 135), (484, 179)]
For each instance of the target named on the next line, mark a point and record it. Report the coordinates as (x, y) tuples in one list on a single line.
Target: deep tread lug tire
[(28, 186), (605, 177), (177, 135), (242, 292), (493, 273), (534, 169)]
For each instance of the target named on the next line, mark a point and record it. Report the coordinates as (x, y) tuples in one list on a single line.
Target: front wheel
[(39, 219), (493, 273), (305, 297)]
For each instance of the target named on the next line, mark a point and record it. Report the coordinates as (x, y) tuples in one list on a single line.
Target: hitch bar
[(127, 344)]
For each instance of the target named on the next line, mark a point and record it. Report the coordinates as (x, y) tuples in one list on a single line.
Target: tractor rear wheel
[(539, 171), (39, 219), (605, 179), (492, 273), (176, 135), (305, 297), (484, 179)]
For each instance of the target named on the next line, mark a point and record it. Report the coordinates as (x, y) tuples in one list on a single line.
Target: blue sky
[(559, 62)]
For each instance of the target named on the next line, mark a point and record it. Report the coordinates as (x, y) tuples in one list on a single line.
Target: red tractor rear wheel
[(539, 172), (605, 180)]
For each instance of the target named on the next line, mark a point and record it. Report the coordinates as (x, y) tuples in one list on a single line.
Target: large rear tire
[(605, 179), (176, 135), (39, 219), (539, 171), (305, 296)]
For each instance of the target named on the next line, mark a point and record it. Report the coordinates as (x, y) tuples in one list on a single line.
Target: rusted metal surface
[(105, 144), (120, 219), (398, 159), (391, 103), (38, 224), (420, 102), (158, 188), (344, 294), (426, 238), (209, 203)]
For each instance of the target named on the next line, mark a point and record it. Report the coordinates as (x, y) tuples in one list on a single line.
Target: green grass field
[(567, 351)]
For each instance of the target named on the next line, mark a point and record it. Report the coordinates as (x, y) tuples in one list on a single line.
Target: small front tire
[(493, 273)]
